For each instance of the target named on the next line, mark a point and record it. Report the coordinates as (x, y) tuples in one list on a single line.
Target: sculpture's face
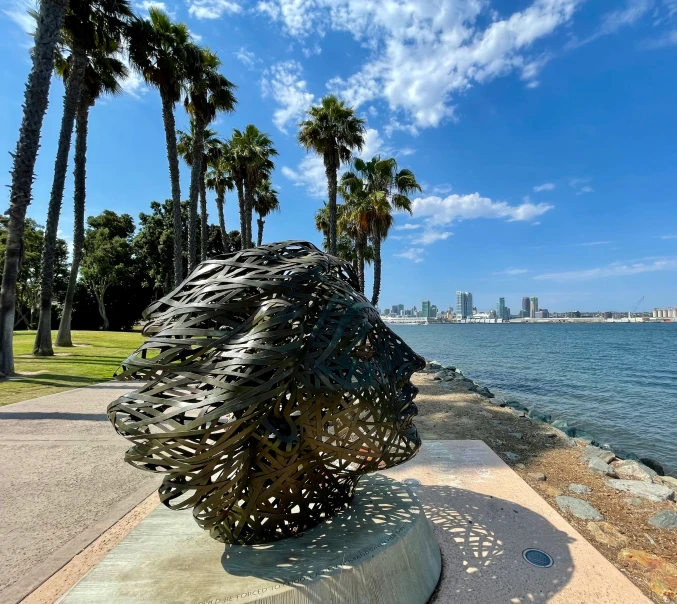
[(273, 385)]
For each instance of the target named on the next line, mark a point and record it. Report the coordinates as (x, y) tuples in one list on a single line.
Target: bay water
[(616, 381)]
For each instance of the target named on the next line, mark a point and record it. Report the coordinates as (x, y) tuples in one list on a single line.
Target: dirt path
[(444, 414)]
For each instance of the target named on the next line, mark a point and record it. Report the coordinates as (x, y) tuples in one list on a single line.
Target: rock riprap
[(581, 489), (598, 466), (630, 469), (662, 574), (579, 508), (607, 534), (667, 519), (645, 490), (590, 452)]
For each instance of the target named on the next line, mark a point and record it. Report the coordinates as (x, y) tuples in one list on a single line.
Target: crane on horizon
[(636, 307)]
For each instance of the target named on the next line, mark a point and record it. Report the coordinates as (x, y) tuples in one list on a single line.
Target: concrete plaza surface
[(64, 482), (484, 516)]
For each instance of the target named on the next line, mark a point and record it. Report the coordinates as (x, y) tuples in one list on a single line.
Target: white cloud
[(616, 269), (581, 186), (415, 254), (309, 174), (616, 19), (425, 52), (212, 9), (667, 39), (441, 211), (668, 236), (133, 84), (245, 56), (431, 235), (407, 227), (513, 271), (585, 189), (146, 5), (17, 11), (596, 243), (373, 145), (405, 151), (442, 189), (547, 186), (283, 83)]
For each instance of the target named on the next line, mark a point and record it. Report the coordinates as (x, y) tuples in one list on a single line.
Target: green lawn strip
[(94, 358)]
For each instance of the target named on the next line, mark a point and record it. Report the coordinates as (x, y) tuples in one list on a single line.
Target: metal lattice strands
[(273, 385)]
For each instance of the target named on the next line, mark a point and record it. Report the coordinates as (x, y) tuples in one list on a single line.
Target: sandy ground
[(447, 415)]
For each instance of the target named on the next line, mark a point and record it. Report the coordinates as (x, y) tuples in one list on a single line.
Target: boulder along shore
[(619, 502)]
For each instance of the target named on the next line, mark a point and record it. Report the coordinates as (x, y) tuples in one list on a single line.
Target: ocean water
[(616, 381)]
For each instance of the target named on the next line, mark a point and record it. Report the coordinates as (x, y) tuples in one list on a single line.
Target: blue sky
[(544, 133)]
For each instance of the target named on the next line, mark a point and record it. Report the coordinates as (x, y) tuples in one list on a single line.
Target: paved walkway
[(64, 482)]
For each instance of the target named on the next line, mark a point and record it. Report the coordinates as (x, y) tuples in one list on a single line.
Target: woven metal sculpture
[(272, 386)]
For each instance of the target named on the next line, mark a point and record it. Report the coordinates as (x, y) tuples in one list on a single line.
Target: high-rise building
[(425, 308), (533, 302), (526, 307), (500, 308), (463, 305), (433, 312)]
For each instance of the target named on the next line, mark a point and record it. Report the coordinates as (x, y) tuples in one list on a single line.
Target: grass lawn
[(94, 358)]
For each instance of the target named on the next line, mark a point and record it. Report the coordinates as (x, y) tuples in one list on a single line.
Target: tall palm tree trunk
[(195, 177), (377, 271), (359, 248), (173, 159), (259, 239), (243, 213), (249, 206), (330, 171), (43, 337), (204, 227), (220, 201), (63, 337), (36, 98)]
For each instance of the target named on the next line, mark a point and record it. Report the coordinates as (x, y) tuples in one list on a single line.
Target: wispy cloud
[(415, 254), (513, 271), (616, 269), (663, 41), (668, 236), (245, 56), (581, 185), (284, 83), (17, 11), (212, 9), (407, 227), (596, 243), (613, 21), (431, 235), (547, 186)]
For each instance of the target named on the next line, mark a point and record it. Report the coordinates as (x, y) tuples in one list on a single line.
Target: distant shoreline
[(414, 321)]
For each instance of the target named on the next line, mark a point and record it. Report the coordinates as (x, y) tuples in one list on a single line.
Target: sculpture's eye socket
[(366, 350)]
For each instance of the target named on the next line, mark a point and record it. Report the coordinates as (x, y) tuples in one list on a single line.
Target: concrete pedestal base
[(380, 550)]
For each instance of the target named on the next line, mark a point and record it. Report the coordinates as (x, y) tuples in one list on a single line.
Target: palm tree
[(250, 153), (162, 51), (332, 131), (386, 190), (210, 147), (219, 180), (87, 27), (102, 76), (36, 97), (265, 202), (208, 93), (354, 218)]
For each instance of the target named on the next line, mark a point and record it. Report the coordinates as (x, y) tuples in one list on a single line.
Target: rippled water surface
[(617, 381)]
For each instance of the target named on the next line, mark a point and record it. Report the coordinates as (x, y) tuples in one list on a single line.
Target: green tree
[(385, 189), (265, 202), (210, 148), (36, 97), (28, 283), (162, 51), (208, 93), (102, 77), (154, 244), (219, 179), (333, 131), (108, 257), (88, 25)]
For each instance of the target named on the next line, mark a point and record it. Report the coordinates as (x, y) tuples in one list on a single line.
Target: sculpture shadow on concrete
[(272, 386)]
